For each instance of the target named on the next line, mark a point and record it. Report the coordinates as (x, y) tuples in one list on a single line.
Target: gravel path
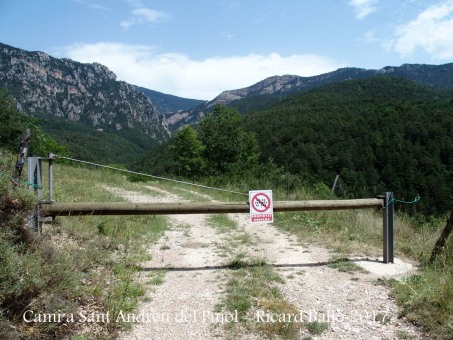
[(352, 304), (182, 306)]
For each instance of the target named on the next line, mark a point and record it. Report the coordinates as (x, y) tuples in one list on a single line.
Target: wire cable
[(152, 176), (17, 182), (393, 199)]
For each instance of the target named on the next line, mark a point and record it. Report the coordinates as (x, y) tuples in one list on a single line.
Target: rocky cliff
[(84, 93)]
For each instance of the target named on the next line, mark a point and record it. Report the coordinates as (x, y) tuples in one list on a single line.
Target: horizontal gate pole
[(127, 208)]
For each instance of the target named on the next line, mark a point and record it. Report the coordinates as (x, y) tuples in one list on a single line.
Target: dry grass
[(80, 264)]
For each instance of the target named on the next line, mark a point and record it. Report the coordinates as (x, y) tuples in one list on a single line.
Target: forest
[(14, 123), (377, 134)]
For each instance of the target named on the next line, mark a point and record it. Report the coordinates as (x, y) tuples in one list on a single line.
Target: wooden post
[(34, 168), (440, 244), (127, 208), (22, 155), (335, 184)]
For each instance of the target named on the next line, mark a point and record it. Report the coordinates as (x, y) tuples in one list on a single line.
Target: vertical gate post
[(51, 158), (388, 227), (34, 169)]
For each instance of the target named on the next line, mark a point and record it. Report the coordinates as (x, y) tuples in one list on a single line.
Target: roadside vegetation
[(250, 293), (82, 267)]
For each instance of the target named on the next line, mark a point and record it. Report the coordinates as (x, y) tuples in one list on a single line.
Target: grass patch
[(240, 262), (316, 327), (251, 290), (222, 222), (157, 277), (343, 264), (242, 238), (427, 300)]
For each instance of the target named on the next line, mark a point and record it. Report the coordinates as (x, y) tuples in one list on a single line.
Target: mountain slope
[(176, 110), (273, 89), (167, 103), (85, 93), (431, 75), (379, 134)]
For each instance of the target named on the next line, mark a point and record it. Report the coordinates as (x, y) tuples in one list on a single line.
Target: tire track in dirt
[(352, 304), (182, 306)]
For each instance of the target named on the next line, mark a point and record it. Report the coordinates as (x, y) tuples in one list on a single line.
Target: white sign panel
[(261, 210)]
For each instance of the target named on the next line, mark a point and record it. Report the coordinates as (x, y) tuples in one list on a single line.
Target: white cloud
[(370, 37), (177, 74), (432, 31), (225, 35), (143, 15), (92, 5), (363, 8)]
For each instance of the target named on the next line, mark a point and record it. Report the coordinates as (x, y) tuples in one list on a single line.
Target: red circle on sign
[(265, 206)]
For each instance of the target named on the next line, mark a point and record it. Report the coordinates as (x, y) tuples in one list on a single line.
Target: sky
[(200, 48)]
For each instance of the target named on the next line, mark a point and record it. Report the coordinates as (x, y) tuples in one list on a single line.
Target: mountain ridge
[(440, 76), (293, 83), (168, 103)]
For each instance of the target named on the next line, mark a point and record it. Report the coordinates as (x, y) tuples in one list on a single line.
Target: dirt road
[(188, 274)]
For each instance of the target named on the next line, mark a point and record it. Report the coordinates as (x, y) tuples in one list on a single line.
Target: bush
[(15, 203), (33, 275)]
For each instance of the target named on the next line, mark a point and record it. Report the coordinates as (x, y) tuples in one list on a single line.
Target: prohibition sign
[(261, 202)]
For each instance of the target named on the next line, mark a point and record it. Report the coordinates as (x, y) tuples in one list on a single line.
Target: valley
[(307, 275)]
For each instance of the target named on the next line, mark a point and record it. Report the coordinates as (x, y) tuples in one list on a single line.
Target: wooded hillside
[(378, 134)]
